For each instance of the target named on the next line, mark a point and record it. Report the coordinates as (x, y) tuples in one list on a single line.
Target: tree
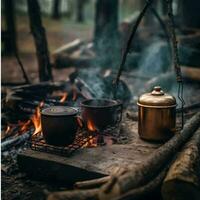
[(40, 40), (56, 9), (10, 45), (106, 35)]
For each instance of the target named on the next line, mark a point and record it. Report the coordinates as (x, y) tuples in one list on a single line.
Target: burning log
[(143, 174), (16, 140), (183, 178)]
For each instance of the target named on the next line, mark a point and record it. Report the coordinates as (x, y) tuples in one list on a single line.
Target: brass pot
[(157, 115)]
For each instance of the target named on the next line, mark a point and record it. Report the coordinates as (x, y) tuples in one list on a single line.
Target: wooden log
[(16, 140), (183, 178), (151, 166), (69, 47), (75, 195), (146, 190), (91, 183)]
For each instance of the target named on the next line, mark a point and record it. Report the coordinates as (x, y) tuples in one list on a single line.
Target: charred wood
[(16, 140)]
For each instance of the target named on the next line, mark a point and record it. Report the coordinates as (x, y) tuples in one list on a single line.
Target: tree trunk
[(183, 178), (80, 11), (106, 36), (40, 40), (56, 9), (10, 33), (189, 13)]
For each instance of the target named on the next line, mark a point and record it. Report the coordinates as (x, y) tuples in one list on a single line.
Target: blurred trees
[(38, 31), (9, 35), (56, 9)]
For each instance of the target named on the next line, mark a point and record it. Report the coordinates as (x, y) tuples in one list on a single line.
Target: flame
[(90, 126), (64, 97), (36, 119), (7, 129)]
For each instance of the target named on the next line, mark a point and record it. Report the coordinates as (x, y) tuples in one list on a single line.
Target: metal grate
[(83, 137), (38, 143)]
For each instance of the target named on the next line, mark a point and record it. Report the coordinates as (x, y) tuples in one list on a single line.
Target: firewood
[(16, 140), (91, 183), (145, 190), (151, 166), (75, 195), (69, 47), (183, 178)]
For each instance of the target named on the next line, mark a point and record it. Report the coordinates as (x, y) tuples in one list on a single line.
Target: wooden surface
[(88, 163)]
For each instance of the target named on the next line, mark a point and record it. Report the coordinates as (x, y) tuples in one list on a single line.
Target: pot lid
[(157, 98), (59, 111)]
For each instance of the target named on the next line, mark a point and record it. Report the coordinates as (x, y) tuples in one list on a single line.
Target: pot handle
[(80, 121)]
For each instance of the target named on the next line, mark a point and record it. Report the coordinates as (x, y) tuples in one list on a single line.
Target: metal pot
[(99, 114), (157, 115), (59, 125)]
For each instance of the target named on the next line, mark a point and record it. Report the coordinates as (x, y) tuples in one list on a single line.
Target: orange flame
[(91, 126), (36, 119), (64, 97), (7, 129)]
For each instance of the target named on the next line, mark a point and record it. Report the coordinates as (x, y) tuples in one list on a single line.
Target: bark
[(56, 9), (10, 33), (91, 183), (183, 178), (75, 195), (40, 40), (150, 167)]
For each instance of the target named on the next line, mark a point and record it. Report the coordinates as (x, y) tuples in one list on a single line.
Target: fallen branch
[(16, 140), (91, 183), (157, 161), (147, 189), (183, 178)]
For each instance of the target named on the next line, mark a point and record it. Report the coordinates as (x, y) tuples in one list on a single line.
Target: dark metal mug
[(59, 125), (101, 113)]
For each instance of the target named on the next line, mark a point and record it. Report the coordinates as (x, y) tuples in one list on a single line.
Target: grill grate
[(38, 143), (83, 137)]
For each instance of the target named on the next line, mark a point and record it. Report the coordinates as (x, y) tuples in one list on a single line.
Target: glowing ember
[(64, 97), (90, 126), (91, 143), (7, 129), (36, 119)]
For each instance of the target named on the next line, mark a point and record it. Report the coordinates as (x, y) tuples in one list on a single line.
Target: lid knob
[(157, 90)]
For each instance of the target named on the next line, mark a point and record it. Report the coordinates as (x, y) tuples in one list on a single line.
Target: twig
[(22, 68), (128, 45)]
